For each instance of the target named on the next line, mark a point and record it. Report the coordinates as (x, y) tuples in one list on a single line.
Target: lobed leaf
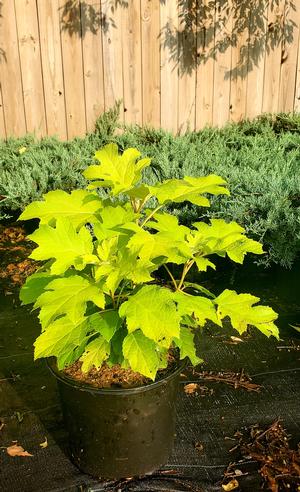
[(240, 309), (61, 339), (189, 189), (68, 296), (153, 311), (63, 243), (141, 354), (186, 345), (96, 352), (79, 206), (118, 172)]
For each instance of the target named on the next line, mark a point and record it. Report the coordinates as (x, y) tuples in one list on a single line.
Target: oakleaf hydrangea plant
[(99, 296)]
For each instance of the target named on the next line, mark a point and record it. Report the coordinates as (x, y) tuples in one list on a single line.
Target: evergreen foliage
[(260, 161)]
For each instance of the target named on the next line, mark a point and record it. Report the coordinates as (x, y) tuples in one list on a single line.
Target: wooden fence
[(177, 64)]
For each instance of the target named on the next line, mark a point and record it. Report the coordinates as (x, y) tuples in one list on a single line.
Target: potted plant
[(104, 308)]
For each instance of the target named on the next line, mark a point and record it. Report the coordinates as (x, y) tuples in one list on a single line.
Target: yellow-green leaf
[(79, 207), (96, 352), (68, 296), (153, 311), (64, 244), (240, 309), (141, 354), (118, 172), (189, 189)]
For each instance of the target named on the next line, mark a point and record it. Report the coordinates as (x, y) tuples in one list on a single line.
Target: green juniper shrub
[(259, 159)]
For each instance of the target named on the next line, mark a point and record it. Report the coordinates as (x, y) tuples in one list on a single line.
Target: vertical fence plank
[(30, 57), (48, 16), (239, 72), (92, 60), (112, 54), (222, 65), (150, 30), (205, 64), (273, 60), (2, 120), (132, 61), (297, 86), (256, 65), (10, 72), (70, 26), (187, 46), (169, 65), (289, 59)]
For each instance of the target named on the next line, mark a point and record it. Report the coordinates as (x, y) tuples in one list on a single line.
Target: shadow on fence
[(205, 29), (2, 52)]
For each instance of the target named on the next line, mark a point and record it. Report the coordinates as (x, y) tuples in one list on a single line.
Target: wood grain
[(73, 70), (10, 73), (150, 29), (132, 63), (48, 17), (30, 61), (92, 61)]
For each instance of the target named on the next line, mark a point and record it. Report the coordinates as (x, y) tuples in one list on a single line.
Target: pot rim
[(113, 391)]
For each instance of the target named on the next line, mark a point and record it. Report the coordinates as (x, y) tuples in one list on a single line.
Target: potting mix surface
[(238, 415)]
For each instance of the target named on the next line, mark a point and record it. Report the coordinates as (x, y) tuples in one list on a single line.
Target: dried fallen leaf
[(199, 446), (16, 450), (190, 388), (236, 339), (232, 485), (45, 443), (2, 425)]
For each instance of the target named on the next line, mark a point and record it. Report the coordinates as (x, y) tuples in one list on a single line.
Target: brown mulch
[(15, 266), (279, 464)]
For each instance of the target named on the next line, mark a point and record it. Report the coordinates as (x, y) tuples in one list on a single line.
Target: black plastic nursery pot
[(116, 433)]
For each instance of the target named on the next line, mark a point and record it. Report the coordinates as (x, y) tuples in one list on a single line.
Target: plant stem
[(142, 203), (113, 299), (171, 276), (185, 270), (151, 215)]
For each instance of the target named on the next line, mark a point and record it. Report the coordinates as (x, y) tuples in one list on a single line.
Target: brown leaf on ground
[(45, 443), (190, 388), (232, 485), (199, 446), (16, 450)]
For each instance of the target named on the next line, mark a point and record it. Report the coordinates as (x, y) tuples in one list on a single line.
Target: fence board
[(205, 70), (169, 65), (256, 65), (150, 30), (92, 61), (73, 68), (10, 72), (132, 66), (297, 85), (48, 17), (289, 61), (112, 54), (272, 62), (222, 64), (2, 120), (186, 69), (30, 58), (239, 74)]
